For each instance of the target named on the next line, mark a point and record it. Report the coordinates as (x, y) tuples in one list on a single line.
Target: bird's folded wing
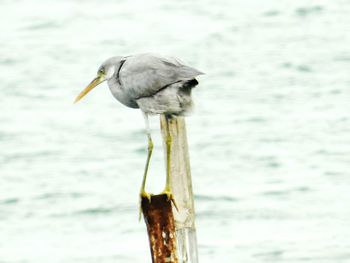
[(144, 75)]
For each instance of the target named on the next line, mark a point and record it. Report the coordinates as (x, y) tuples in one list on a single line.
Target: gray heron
[(154, 84)]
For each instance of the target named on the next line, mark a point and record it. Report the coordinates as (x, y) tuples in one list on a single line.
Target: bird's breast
[(121, 94)]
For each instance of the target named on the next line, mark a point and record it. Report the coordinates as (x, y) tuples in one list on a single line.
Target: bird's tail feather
[(189, 84)]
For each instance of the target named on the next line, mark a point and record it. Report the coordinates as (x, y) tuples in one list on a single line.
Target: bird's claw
[(144, 194), (148, 196), (170, 197)]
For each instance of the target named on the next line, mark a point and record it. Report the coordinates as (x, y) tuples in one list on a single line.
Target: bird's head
[(105, 72)]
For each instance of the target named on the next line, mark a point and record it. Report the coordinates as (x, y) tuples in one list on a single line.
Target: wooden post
[(160, 224), (181, 187), (172, 232)]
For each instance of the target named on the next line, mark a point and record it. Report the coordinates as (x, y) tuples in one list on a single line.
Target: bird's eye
[(100, 71)]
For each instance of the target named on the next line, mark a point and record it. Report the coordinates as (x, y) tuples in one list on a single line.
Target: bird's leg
[(143, 192), (168, 142)]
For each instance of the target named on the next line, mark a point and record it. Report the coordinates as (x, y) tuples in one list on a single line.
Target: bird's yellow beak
[(100, 78)]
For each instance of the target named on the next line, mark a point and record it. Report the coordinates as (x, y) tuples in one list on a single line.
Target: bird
[(154, 84)]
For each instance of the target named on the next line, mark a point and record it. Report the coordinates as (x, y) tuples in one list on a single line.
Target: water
[(269, 140)]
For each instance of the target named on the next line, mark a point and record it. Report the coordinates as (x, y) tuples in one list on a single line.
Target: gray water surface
[(269, 139)]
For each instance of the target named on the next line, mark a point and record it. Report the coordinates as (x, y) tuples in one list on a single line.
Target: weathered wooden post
[(171, 231), (161, 228)]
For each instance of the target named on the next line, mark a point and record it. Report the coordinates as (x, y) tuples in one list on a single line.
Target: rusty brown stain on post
[(160, 224)]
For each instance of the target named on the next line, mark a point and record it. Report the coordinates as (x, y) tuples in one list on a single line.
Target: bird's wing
[(144, 75)]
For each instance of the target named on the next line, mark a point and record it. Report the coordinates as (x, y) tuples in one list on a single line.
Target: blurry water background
[(269, 139)]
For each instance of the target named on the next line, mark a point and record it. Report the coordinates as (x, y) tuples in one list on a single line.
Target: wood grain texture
[(160, 224), (181, 187)]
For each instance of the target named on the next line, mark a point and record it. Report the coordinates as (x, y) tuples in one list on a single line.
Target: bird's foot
[(143, 194), (170, 196)]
